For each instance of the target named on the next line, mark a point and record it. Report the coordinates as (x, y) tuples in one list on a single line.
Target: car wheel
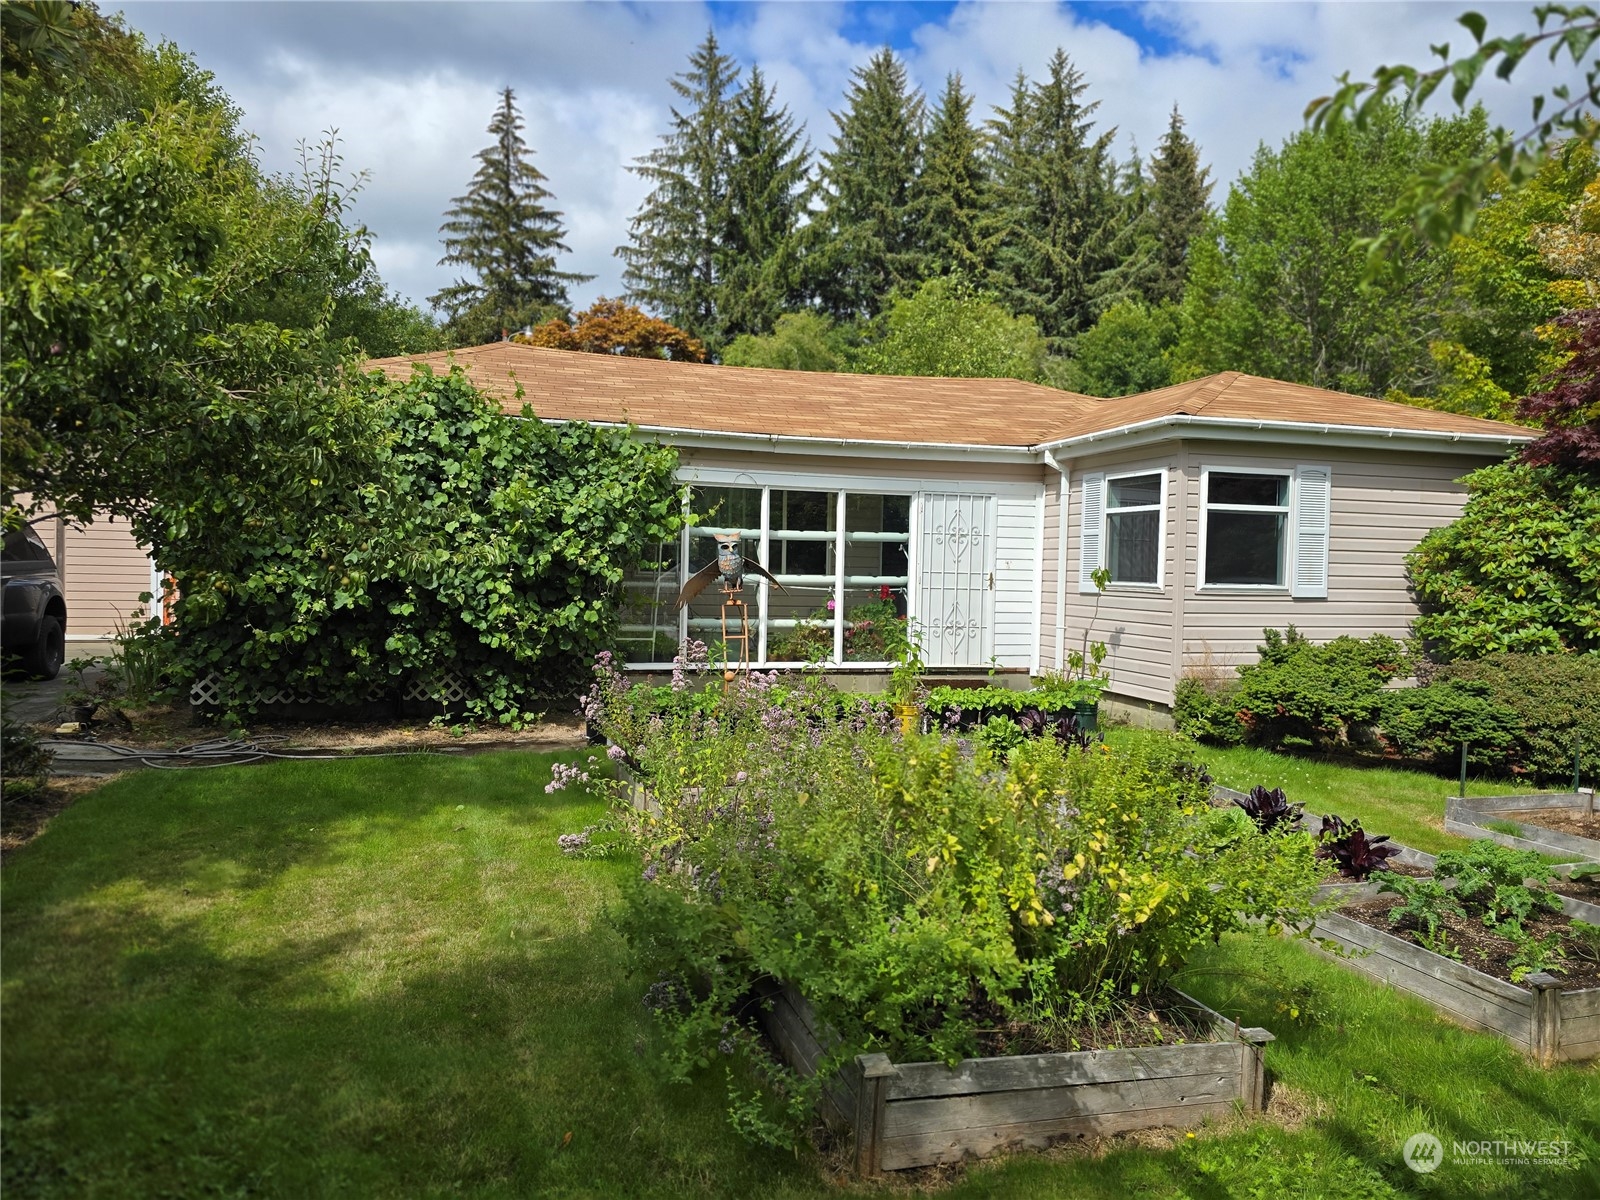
[(44, 660)]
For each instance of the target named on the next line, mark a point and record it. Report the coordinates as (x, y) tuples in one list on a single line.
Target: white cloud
[(411, 87)]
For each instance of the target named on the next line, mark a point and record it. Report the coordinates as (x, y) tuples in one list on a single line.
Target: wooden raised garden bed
[(1477, 816), (906, 1115), (1536, 1016)]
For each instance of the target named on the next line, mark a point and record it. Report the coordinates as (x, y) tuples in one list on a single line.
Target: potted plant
[(1087, 678), (905, 681)]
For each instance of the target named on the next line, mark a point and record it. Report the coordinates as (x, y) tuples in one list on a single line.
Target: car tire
[(43, 660)]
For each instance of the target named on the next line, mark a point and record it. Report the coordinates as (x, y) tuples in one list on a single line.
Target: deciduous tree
[(1276, 287), (614, 327), (949, 328)]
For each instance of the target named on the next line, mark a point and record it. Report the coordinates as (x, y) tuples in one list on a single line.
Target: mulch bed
[(1579, 889), (1393, 869), (25, 811), (1579, 824), (1479, 947)]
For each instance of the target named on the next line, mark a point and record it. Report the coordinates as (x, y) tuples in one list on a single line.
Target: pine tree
[(1054, 220), (757, 266), (864, 246), (948, 200), (671, 261), (503, 234), (1179, 195)]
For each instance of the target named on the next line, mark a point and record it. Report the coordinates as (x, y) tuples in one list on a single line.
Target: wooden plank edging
[(916, 1114)]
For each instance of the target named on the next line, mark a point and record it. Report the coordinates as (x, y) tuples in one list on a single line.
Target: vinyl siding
[(1049, 655), (105, 572), (1135, 623), (1382, 505), (1015, 584)]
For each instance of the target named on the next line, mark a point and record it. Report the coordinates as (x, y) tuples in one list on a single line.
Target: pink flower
[(831, 606)]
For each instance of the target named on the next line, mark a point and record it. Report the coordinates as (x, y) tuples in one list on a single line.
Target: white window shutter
[(1091, 537), (1308, 551)]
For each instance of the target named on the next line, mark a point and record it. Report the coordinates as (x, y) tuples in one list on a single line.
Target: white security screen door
[(954, 606)]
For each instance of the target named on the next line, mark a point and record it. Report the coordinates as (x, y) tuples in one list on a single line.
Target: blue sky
[(410, 86)]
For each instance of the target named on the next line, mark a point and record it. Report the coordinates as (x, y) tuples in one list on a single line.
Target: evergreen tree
[(757, 265), (1179, 193), (864, 243), (502, 232), (675, 238), (948, 200), (1055, 218)]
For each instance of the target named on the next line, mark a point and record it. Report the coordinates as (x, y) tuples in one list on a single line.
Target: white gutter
[(1246, 428), (804, 444), (1061, 559)]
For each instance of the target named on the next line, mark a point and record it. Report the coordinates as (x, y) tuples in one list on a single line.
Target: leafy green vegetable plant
[(1424, 903)]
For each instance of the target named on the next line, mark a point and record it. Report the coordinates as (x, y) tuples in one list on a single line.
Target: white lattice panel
[(447, 687)]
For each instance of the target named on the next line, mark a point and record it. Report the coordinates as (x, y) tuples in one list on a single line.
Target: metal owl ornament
[(729, 567)]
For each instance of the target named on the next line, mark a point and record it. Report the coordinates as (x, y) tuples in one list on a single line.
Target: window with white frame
[(842, 557), (1122, 527), (1133, 527), (1265, 529)]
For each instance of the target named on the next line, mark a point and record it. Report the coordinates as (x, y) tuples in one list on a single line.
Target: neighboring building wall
[(1382, 505), (105, 572), (1135, 623)]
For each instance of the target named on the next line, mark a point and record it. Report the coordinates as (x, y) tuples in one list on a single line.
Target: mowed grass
[(1405, 805), (381, 978)]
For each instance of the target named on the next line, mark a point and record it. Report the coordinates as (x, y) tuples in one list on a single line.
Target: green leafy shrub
[(1517, 571), (1547, 702), (914, 892), (462, 540), (24, 763), (1300, 693), (1431, 722), (1208, 712)]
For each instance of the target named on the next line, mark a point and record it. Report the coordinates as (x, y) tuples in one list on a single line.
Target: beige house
[(984, 509)]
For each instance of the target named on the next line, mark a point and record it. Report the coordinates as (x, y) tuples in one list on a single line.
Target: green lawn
[(380, 978), (1406, 805)]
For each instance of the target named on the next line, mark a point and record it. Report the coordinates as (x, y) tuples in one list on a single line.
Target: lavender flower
[(572, 843), (563, 775), (615, 752)]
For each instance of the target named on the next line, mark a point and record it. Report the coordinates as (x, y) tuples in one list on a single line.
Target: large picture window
[(1247, 528), (1133, 528), (842, 557)]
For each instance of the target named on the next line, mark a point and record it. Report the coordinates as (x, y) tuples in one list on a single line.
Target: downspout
[(1061, 562)]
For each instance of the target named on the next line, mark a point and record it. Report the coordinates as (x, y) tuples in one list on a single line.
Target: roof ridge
[(1214, 388)]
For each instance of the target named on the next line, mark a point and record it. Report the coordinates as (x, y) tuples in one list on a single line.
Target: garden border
[(1470, 817), (905, 1115), (1541, 1020)]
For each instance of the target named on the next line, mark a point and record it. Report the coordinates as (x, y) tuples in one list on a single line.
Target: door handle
[(991, 581)]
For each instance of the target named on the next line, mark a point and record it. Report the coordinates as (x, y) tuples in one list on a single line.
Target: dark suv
[(34, 625)]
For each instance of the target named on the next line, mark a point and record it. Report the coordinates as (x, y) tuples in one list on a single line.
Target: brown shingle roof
[(569, 385)]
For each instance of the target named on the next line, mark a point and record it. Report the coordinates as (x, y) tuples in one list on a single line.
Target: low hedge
[(1519, 714)]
